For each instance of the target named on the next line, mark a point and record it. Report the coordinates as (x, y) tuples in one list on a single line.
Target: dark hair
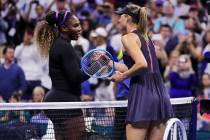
[(204, 39), (47, 30), (6, 48), (58, 18), (201, 78), (166, 26), (17, 96)]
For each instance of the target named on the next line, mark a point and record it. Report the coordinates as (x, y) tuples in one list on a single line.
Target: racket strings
[(177, 132), (97, 64)]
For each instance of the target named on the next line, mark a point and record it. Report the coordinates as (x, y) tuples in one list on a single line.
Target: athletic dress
[(64, 71), (147, 97)]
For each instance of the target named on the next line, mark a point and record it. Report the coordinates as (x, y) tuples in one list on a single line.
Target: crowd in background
[(179, 29)]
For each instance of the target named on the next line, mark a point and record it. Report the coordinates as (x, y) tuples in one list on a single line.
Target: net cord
[(78, 105)]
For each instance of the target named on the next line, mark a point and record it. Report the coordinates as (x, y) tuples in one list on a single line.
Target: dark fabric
[(181, 87), (59, 116), (119, 129), (147, 97), (205, 106), (18, 131), (207, 57), (64, 70), (112, 52), (64, 67), (171, 44), (11, 80), (30, 87)]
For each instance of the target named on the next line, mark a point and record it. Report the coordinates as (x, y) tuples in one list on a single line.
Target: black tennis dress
[(64, 71)]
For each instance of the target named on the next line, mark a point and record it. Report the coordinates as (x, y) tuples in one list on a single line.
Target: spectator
[(177, 25), (169, 40), (206, 43), (115, 34), (189, 46), (38, 118), (83, 42), (38, 94), (113, 27), (205, 83), (183, 80), (17, 116), (181, 8), (160, 52), (200, 14), (172, 64), (100, 35), (103, 127), (104, 14), (12, 78), (87, 26), (3, 28), (46, 82), (28, 59), (203, 122), (14, 123), (58, 5), (40, 12), (192, 25), (16, 22)]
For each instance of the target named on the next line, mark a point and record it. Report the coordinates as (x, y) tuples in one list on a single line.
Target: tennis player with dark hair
[(149, 105), (53, 37)]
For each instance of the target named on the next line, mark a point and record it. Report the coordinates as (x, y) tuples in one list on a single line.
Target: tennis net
[(101, 120)]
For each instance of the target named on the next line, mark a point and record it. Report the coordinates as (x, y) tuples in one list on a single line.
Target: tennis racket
[(175, 130), (99, 63)]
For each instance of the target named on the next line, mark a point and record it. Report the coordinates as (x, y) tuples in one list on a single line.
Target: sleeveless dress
[(147, 97)]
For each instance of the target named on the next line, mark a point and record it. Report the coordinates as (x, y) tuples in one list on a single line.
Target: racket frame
[(95, 50)]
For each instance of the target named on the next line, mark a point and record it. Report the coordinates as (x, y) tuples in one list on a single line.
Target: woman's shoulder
[(61, 45), (129, 37), (60, 42)]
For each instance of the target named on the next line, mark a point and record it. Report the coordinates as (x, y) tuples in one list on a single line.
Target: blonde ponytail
[(143, 23)]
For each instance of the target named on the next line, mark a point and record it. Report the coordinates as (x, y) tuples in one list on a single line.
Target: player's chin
[(76, 37)]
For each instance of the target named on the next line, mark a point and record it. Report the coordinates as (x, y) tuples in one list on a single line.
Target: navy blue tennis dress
[(147, 98)]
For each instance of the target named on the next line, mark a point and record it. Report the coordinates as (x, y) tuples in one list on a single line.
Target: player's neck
[(131, 28), (65, 36)]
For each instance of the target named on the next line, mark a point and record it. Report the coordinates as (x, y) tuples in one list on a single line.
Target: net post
[(194, 120)]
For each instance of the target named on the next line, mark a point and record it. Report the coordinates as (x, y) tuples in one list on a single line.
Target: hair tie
[(56, 15), (64, 18)]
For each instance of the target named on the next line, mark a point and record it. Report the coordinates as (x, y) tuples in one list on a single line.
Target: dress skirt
[(147, 99), (59, 116)]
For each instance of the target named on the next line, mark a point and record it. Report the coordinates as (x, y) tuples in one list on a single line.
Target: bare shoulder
[(130, 38)]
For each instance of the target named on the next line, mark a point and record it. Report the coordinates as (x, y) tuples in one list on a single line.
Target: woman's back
[(148, 51)]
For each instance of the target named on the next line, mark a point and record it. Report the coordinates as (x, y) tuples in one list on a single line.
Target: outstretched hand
[(117, 77)]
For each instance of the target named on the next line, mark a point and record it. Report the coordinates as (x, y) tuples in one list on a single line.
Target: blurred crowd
[(180, 30)]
